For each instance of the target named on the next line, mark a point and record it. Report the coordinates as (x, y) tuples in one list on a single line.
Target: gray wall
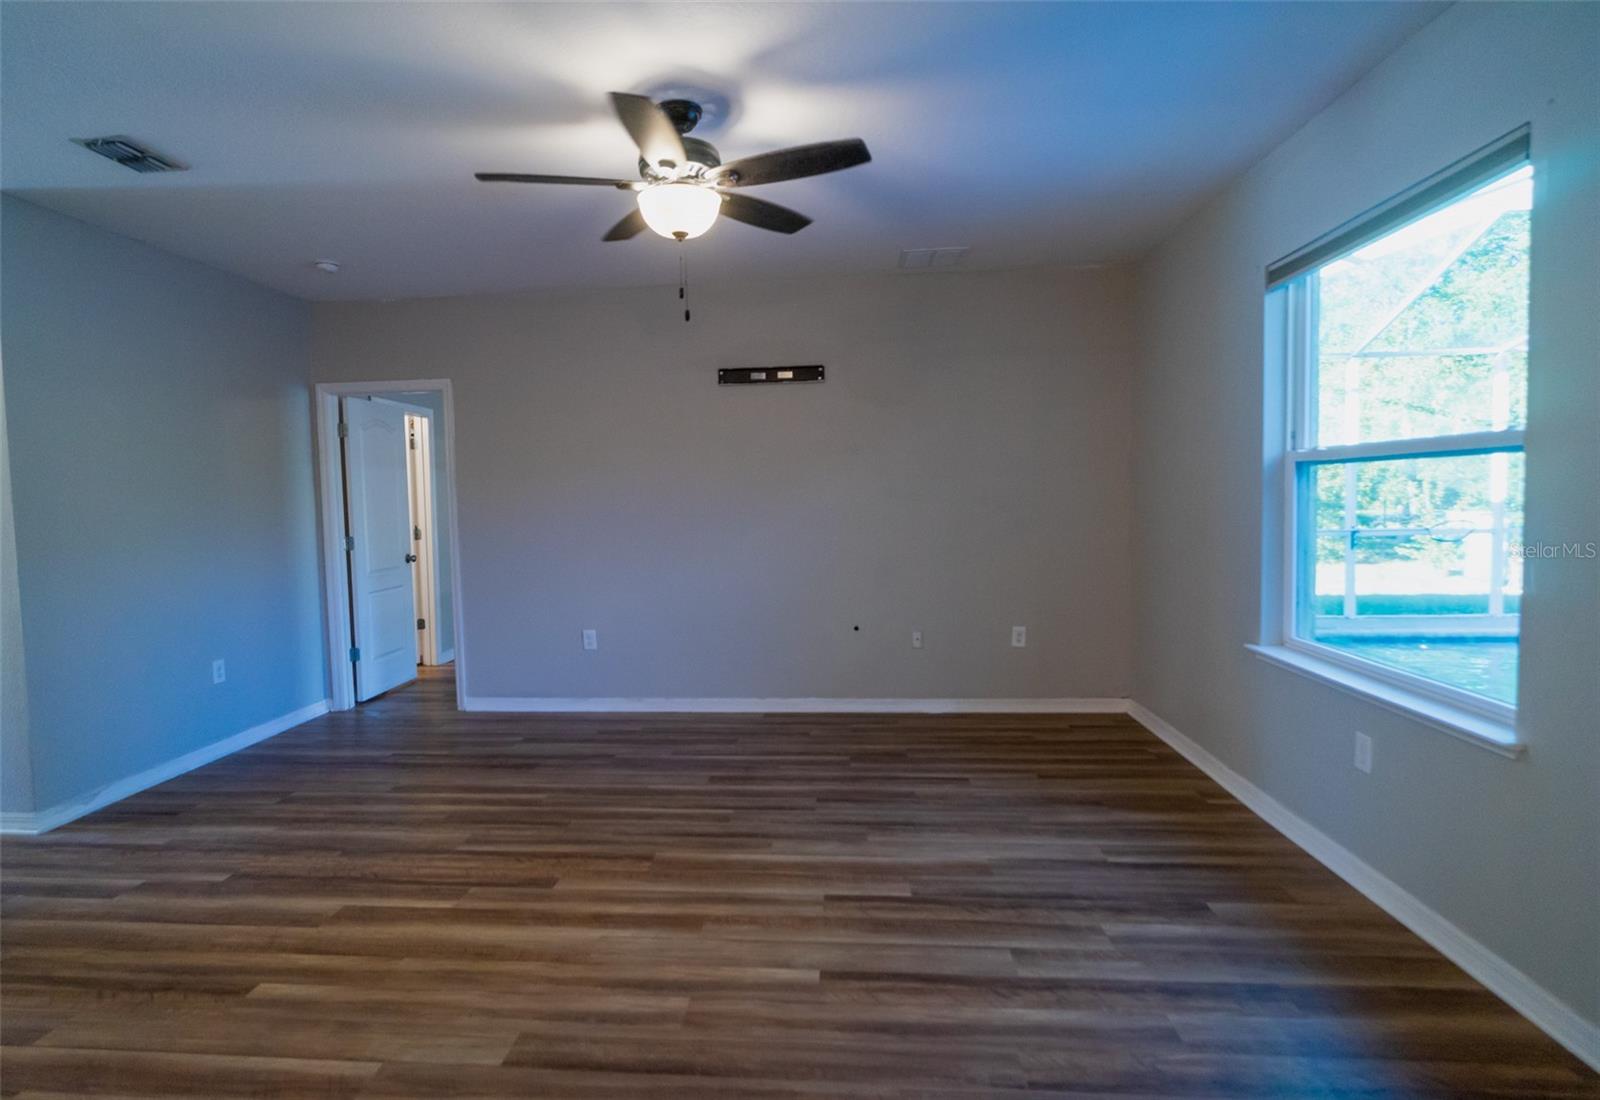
[(1504, 849), (160, 450), (16, 769), (964, 468)]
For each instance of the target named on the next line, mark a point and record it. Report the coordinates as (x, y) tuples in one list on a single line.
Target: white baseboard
[(1552, 1016), (554, 705), (15, 824), (42, 821)]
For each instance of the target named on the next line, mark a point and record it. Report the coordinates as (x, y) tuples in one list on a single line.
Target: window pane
[(1413, 566), (1425, 331)]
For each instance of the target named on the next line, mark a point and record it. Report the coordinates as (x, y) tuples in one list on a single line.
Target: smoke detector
[(331, 267), (130, 154)]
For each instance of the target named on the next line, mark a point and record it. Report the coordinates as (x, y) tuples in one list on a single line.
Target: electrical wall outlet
[(219, 670), (591, 639), (916, 639), (1019, 636), (1363, 752)]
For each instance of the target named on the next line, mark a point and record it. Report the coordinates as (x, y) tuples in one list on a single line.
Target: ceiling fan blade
[(792, 164), (652, 131), (521, 177), (629, 227), (763, 214)]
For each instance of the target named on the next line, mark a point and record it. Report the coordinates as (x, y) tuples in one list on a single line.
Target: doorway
[(386, 472), (434, 636)]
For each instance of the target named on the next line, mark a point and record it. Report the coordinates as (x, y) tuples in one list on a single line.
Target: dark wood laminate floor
[(403, 901)]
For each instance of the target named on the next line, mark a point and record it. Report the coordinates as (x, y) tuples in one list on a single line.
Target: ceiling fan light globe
[(679, 211)]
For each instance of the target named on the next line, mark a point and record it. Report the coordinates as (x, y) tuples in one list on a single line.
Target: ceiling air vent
[(925, 259), (126, 152)]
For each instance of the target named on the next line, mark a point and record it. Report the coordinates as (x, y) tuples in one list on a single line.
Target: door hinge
[(355, 653), (349, 542), (413, 443), (416, 534), (422, 624), (344, 430)]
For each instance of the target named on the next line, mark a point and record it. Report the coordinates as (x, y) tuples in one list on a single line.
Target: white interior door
[(379, 505)]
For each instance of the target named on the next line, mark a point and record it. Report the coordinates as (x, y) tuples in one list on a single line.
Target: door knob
[(411, 557)]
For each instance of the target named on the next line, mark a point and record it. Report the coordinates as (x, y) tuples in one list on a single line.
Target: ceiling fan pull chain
[(683, 281)]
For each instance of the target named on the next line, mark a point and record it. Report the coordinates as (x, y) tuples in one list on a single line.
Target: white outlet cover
[(219, 671), (1019, 636), (591, 640), (1363, 759), (916, 639)]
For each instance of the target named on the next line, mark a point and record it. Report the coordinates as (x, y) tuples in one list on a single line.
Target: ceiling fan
[(683, 183)]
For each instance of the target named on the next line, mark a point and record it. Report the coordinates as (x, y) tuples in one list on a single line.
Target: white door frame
[(330, 487), (425, 517)]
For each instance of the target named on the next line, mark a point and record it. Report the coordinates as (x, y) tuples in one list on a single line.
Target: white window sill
[(1488, 733)]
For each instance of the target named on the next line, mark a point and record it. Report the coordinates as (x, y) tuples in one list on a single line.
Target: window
[(1407, 347)]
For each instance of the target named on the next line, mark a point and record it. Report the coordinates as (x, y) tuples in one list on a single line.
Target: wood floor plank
[(408, 901)]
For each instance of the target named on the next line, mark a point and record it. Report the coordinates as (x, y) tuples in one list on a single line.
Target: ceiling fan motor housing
[(702, 155), (684, 113)]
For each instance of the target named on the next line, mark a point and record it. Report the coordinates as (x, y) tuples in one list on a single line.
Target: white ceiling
[(1034, 133)]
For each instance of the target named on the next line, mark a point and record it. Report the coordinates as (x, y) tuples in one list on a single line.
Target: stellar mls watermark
[(1554, 549)]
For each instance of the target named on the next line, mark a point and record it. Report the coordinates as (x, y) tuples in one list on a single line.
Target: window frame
[(1292, 290)]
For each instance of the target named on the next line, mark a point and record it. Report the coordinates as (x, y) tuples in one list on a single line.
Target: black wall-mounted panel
[(743, 376)]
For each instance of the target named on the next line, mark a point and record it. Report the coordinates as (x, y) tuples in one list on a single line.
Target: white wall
[(1504, 849), (963, 469), (160, 460)]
